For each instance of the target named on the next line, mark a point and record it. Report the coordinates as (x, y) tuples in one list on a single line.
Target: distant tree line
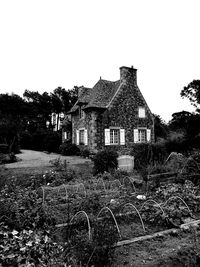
[(27, 115), (24, 119), (183, 130)]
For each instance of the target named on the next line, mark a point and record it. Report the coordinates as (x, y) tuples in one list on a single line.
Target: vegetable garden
[(60, 219)]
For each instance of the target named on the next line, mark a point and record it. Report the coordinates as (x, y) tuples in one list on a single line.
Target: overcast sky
[(49, 43)]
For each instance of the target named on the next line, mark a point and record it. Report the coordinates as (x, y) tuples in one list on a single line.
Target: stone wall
[(123, 113), (89, 122)]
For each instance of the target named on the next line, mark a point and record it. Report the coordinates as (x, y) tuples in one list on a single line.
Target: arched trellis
[(106, 208), (79, 186), (65, 187), (101, 180), (88, 221), (174, 197), (157, 205), (130, 204)]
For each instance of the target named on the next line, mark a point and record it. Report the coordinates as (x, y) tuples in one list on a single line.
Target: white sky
[(49, 43)]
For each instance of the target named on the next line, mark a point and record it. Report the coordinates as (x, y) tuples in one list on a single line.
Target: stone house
[(112, 114)]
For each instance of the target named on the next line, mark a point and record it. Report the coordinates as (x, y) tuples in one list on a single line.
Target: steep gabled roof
[(102, 93), (85, 95), (97, 97)]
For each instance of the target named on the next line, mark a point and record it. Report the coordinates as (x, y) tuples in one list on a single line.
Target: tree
[(187, 124), (13, 110), (192, 92), (160, 127), (39, 108), (180, 121)]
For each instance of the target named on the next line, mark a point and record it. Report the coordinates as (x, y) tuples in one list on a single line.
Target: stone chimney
[(128, 75)]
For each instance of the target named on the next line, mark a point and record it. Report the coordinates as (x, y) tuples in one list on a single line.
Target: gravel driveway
[(30, 158)]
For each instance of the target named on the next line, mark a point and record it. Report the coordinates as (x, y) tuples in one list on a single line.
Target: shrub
[(37, 141), (98, 251), (7, 158), (142, 154), (149, 154), (177, 142), (68, 149), (85, 153), (41, 140), (4, 148), (26, 140), (52, 141), (105, 161)]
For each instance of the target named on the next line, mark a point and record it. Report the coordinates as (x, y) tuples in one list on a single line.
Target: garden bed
[(91, 207)]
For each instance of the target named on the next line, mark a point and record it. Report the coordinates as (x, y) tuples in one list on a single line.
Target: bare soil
[(161, 251)]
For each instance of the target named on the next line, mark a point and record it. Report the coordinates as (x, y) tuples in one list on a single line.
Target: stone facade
[(119, 114)]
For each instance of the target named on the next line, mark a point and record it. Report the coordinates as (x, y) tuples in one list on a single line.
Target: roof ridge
[(108, 81)]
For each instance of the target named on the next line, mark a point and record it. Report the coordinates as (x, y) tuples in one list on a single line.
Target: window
[(66, 135), (81, 137), (141, 112), (53, 118), (142, 135), (114, 136)]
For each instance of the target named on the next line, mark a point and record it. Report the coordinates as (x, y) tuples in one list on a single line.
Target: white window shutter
[(122, 136), (148, 135), (135, 131), (107, 137), (86, 137), (58, 122), (77, 137), (65, 135)]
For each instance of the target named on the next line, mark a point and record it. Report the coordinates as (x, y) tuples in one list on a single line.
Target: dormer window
[(141, 112)]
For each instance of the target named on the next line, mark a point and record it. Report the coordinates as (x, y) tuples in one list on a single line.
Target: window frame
[(81, 136), (142, 139), (114, 136), (141, 112), (67, 135)]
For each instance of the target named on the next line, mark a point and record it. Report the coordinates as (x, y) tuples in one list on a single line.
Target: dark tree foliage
[(160, 127), (13, 121), (63, 100), (186, 122), (28, 115), (40, 107), (12, 105), (192, 92)]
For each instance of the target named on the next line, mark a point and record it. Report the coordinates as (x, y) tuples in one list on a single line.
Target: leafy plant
[(4, 148), (98, 251), (29, 248), (84, 152), (105, 161), (68, 149)]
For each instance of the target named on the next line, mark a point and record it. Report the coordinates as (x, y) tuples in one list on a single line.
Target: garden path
[(31, 158)]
